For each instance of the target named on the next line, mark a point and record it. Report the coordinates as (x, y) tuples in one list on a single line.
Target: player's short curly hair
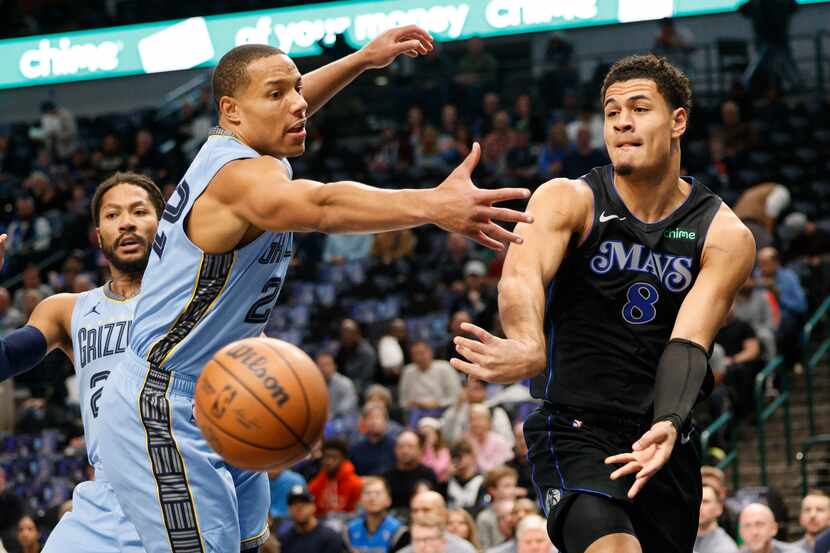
[(126, 177), (671, 82), (231, 72)]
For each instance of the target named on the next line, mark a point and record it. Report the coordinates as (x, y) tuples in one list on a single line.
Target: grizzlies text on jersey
[(613, 303)]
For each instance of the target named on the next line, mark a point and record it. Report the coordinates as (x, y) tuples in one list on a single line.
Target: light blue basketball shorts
[(177, 491), (96, 523)]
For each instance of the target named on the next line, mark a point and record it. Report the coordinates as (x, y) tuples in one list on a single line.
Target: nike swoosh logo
[(685, 439), (603, 218)]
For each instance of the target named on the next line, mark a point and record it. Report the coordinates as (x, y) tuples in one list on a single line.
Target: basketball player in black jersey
[(628, 272)]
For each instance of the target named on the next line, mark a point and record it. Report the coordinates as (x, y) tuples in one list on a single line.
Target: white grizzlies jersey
[(100, 334), (193, 303)]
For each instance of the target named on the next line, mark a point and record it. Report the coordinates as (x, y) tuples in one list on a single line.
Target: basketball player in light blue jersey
[(218, 264), (93, 329)]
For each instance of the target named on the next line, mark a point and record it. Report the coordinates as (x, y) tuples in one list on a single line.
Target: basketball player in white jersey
[(219, 260)]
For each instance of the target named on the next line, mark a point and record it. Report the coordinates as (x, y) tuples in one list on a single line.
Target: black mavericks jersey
[(613, 303)]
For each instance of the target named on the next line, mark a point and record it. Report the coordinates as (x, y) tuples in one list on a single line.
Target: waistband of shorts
[(631, 421), (180, 384)]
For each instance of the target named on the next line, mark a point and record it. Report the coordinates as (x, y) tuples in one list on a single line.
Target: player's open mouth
[(298, 129), (129, 245), (628, 145)]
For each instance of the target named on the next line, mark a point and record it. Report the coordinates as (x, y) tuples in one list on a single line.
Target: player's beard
[(129, 267), (624, 169)]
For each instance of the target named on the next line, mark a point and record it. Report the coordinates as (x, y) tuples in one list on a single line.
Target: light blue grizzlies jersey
[(100, 335), (193, 303)]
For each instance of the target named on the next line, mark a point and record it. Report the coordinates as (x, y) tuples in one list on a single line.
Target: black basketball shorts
[(567, 451)]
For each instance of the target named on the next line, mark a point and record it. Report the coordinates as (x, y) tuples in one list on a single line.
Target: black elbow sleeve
[(683, 378)]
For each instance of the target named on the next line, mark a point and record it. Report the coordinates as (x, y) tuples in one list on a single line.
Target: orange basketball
[(261, 403)]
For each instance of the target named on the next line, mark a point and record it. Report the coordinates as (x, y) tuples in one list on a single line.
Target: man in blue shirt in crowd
[(375, 531), (784, 283), (308, 534), (375, 453), (281, 483)]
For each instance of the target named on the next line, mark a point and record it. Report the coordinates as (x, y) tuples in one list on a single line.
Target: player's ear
[(679, 119), (100, 242), (229, 108)]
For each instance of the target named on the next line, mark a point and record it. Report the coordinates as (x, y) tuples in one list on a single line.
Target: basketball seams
[(300, 439), (299, 382)]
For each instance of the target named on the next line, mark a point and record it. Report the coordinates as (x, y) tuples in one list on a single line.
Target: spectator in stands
[(773, 55), (742, 362), (146, 157), (465, 487), (733, 132), (591, 120), (375, 530), (500, 484), (31, 281), (478, 298), (306, 534), (28, 535), (428, 160), (342, 248), (784, 284), (814, 519), (553, 152), (455, 420), (281, 482), (342, 395), (414, 125), (58, 130), (381, 394), (48, 199), (451, 260), (82, 283), (521, 464), (428, 535), (447, 351), (521, 160), (759, 207), (391, 247), (109, 158), (496, 144), (758, 528), (711, 538), (675, 43), (336, 488), (449, 121), (522, 508), (427, 385), (393, 351), (392, 157), (355, 357), (374, 454), (431, 505), (461, 524), (10, 316), (500, 531), (714, 477), (804, 238), (753, 306), (11, 510), (436, 454), (532, 536), (483, 123), (525, 116), (408, 470), (29, 235), (491, 449), (477, 69), (583, 157)]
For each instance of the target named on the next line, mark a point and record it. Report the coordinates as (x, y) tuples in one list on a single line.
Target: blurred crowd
[(415, 457)]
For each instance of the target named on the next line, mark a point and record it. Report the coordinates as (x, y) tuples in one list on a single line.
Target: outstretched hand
[(494, 359), (3, 239), (648, 455), (411, 40), (468, 210)]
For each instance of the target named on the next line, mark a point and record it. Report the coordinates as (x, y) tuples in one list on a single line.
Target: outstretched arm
[(562, 209), (258, 192), (47, 328), (321, 85), (727, 261)]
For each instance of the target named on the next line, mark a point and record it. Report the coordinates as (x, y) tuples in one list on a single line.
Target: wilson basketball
[(261, 403)]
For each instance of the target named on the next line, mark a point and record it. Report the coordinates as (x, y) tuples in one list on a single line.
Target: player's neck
[(652, 198), (124, 285)]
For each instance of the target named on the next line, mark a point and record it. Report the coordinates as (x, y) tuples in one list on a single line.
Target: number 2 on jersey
[(256, 314), (640, 307)]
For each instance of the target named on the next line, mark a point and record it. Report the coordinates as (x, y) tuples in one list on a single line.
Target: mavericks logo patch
[(552, 498)]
